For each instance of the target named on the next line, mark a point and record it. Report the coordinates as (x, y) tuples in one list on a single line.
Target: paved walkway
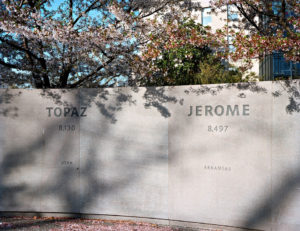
[(76, 224)]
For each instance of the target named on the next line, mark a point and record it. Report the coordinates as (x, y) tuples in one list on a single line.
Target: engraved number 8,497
[(217, 128)]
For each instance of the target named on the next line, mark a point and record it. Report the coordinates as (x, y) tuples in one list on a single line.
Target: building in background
[(275, 66), (201, 11), (271, 67)]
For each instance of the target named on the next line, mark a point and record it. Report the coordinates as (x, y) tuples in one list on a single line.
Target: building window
[(232, 13), (230, 44), (206, 16), (231, 48), (297, 69), (276, 7), (281, 67)]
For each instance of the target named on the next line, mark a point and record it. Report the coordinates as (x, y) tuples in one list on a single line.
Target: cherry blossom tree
[(263, 27), (86, 43), (98, 43)]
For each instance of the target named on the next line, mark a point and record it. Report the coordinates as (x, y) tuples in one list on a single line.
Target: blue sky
[(56, 3)]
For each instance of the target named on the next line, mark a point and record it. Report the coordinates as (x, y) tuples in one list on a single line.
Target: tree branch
[(63, 80), (71, 11), (259, 11), (85, 12), (243, 12), (8, 64), (21, 4), (155, 11), (19, 48), (91, 74)]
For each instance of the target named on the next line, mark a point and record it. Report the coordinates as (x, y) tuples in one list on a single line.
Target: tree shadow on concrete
[(156, 97), (63, 185), (271, 209), (6, 98), (58, 186), (292, 88)]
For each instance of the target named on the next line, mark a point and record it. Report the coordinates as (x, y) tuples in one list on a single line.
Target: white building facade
[(271, 67)]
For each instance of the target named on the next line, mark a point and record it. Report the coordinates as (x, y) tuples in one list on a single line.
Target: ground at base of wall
[(72, 224)]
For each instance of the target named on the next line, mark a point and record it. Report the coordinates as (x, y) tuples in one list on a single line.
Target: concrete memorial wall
[(224, 154)]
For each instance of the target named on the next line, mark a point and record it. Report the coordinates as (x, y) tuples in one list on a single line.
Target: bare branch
[(9, 65), (21, 3), (19, 48), (91, 74), (244, 13), (86, 11)]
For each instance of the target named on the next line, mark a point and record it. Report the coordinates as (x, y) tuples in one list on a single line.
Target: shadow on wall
[(52, 185), (62, 185), (293, 89), (156, 97), (290, 87), (276, 205), (6, 98)]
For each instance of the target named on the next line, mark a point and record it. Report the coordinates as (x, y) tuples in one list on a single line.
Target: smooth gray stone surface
[(22, 151), (61, 157), (40, 163), (198, 189), (136, 152), (285, 159), (124, 155)]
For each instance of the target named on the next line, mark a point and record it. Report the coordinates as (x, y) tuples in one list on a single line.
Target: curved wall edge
[(225, 154)]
